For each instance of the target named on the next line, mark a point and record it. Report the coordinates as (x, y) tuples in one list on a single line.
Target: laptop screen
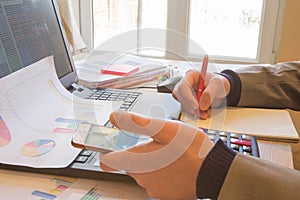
[(30, 31)]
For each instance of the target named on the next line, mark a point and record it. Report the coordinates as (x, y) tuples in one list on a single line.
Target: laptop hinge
[(77, 87)]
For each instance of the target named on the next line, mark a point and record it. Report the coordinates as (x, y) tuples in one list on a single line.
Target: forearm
[(268, 87), (246, 178)]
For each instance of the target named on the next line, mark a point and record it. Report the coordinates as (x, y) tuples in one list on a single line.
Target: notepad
[(120, 70), (267, 124)]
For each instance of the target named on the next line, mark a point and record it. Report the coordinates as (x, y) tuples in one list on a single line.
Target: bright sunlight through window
[(226, 28)]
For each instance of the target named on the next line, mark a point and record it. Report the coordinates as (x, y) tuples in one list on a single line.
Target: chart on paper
[(37, 148), (4, 133)]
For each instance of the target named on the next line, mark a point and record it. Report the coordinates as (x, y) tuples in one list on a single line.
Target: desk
[(23, 184), (280, 153)]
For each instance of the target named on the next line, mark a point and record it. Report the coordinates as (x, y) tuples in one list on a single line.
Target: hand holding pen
[(208, 95)]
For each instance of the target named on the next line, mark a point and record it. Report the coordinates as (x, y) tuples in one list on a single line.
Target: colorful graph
[(61, 185), (67, 125), (92, 194), (37, 148), (5, 137), (64, 130)]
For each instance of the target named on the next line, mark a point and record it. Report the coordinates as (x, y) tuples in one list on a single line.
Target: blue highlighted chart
[(5, 136), (37, 148)]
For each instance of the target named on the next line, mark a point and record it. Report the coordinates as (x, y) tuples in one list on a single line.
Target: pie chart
[(4, 133), (37, 148)]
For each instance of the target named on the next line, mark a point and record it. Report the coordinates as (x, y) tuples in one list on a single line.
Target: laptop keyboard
[(128, 97)]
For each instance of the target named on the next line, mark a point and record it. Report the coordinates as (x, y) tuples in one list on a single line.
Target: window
[(228, 30), (113, 17), (225, 28)]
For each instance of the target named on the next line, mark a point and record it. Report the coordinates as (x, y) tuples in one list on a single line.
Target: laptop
[(31, 30)]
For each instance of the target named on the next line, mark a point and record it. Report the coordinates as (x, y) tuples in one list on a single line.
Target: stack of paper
[(96, 71)]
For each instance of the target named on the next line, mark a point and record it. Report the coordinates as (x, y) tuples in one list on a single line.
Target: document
[(268, 124), (38, 117), (23, 185), (149, 72)]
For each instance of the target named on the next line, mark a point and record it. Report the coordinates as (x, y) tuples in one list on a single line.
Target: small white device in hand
[(104, 139)]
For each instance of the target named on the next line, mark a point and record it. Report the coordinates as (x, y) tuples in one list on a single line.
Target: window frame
[(269, 39)]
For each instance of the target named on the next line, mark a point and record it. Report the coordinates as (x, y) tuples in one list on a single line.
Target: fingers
[(184, 91), (217, 88), (153, 156), (171, 139), (205, 114), (214, 93), (141, 158), (162, 131), (106, 168), (120, 156)]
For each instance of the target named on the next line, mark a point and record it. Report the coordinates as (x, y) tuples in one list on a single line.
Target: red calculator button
[(240, 142)]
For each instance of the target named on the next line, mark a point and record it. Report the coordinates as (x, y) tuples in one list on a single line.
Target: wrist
[(234, 88), (214, 170)]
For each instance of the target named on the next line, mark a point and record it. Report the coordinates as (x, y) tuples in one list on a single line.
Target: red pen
[(201, 85)]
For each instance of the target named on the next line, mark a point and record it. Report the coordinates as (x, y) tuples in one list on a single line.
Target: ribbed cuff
[(214, 170), (234, 95)]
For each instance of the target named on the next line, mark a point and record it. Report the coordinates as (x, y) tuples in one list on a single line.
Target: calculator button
[(212, 137), (224, 139), (222, 133), (234, 146), (240, 142), (246, 137), (247, 149)]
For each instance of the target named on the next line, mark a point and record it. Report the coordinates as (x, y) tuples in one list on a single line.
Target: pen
[(202, 77)]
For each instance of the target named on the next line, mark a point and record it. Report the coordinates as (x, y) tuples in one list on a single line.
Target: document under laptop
[(31, 30)]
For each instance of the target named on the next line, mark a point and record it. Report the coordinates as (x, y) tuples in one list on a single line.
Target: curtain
[(71, 28)]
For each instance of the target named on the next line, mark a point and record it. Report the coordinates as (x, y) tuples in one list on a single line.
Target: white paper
[(39, 114), (89, 69), (273, 124), (30, 186), (20, 185), (103, 190)]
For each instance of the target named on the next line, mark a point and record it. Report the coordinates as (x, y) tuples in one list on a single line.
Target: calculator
[(238, 142)]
